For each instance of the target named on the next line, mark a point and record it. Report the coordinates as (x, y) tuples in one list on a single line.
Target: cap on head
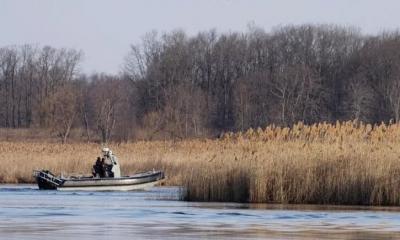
[(105, 151)]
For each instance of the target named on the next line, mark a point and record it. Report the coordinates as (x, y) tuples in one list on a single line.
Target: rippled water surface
[(27, 213)]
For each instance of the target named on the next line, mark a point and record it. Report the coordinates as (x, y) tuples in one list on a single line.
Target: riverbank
[(347, 163)]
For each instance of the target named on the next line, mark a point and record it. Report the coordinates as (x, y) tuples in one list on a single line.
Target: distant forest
[(178, 86)]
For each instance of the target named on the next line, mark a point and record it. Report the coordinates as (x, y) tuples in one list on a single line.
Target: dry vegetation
[(343, 163)]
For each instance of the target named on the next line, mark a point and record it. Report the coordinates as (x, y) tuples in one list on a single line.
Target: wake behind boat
[(140, 181), (106, 177)]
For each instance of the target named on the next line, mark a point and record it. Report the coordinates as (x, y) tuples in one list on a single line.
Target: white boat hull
[(140, 181), (143, 186)]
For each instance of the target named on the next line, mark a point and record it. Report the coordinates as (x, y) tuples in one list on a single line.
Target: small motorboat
[(140, 181)]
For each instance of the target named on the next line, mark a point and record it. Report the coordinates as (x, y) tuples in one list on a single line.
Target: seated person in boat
[(111, 164), (98, 168)]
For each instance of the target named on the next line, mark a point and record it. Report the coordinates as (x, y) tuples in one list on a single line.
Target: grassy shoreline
[(343, 163)]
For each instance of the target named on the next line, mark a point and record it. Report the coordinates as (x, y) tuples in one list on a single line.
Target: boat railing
[(48, 176)]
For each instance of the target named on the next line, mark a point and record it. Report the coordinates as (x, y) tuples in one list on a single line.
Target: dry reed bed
[(342, 163)]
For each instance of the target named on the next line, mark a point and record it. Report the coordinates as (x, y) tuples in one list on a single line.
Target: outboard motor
[(47, 180)]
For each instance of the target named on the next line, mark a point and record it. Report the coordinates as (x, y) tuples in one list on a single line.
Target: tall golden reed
[(342, 163)]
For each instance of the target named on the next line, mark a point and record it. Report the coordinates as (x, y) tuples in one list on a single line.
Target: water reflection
[(26, 213)]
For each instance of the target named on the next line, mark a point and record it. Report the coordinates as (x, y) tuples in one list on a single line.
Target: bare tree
[(65, 108), (105, 100)]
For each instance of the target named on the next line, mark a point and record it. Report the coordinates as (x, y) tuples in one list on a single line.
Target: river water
[(27, 213)]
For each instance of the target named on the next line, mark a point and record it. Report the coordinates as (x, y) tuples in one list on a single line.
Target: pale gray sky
[(104, 29)]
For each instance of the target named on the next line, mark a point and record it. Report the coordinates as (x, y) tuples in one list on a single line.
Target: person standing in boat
[(112, 168)]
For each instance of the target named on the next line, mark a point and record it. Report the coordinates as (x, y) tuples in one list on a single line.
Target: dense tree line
[(175, 85)]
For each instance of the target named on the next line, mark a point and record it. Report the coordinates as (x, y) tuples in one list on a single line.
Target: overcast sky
[(104, 29)]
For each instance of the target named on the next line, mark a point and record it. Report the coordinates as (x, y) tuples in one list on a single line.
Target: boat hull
[(141, 181), (143, 186)]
